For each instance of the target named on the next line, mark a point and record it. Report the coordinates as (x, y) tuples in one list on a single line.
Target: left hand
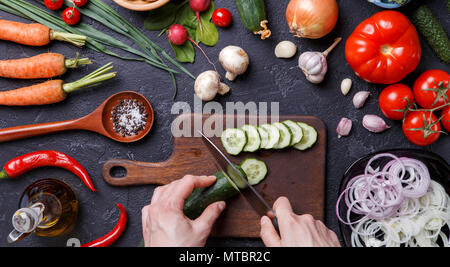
[(164, 223)]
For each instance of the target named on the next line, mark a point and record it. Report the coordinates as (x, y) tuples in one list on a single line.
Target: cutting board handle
[(135, 172)]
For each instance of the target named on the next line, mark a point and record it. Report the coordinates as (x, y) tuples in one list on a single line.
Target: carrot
[(46, 65), (53, 91), (35, 34)]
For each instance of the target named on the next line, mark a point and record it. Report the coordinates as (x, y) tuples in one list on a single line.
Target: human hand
[(164, 223), (295, 230)]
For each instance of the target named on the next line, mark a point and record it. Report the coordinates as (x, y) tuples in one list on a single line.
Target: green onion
[(97, 76)]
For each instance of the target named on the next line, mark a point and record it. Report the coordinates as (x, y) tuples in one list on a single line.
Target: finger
[(282, 208), (157, 193), (184, 187), (209, 216), (269, 234), (144, 219)]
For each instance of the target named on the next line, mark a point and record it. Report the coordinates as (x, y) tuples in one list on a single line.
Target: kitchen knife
[(250, 194)]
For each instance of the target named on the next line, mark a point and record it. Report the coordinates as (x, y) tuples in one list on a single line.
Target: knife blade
[(250, 194)]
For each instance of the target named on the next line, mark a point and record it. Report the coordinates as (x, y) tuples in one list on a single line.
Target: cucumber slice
[(274, 135), (235, 177), (309, 137), (285, 136), (253, 138), (264, 137), (255, 169), (233, 140), (296, 131)]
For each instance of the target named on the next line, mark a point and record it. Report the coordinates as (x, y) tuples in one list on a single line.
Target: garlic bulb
[(314, 64)]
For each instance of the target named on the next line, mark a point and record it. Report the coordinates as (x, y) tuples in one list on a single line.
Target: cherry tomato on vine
[(222, 17), (80, 3), (394, 100), (431, 89), (53, 4), (446, 118), (71, 16), (421, 128)]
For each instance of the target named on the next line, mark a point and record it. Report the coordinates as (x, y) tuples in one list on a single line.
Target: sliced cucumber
[(296, 131), (235, 177), (234, 140), (309, 137), (285, 135), (255, 169), (264, 137), (274, 135), (253, 138)]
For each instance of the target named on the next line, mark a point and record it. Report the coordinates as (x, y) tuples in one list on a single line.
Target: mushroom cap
[(207, 85), (234, 59)]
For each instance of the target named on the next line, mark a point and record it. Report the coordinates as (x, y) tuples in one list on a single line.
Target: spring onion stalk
[(97, 76)]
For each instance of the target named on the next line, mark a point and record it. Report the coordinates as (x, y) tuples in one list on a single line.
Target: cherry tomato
[(80, 3), (222, 17), (71, 16), (394, 99), (384, 48), (431, 89), (53, 4), (446, 118), (421, 128)]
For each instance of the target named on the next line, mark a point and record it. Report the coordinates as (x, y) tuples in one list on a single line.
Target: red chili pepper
[(111, 237), (33, 160)]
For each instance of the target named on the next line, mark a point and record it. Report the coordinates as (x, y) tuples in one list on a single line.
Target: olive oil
[(47, 207)]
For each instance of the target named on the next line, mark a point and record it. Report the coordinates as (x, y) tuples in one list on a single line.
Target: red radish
[(199, 6), (178, 35)]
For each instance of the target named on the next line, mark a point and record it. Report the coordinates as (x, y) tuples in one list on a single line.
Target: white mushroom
[(234, 60), (208, 84)]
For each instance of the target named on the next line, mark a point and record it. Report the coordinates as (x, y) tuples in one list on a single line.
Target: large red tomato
[(432, 89), (384, 48)]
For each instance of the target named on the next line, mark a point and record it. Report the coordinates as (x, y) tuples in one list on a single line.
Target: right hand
[(295, 230)]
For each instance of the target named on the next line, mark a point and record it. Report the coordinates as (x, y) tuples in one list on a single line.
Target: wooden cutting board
[(298, 175)]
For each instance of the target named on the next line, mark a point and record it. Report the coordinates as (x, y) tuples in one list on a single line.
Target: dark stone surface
[(268, 79)]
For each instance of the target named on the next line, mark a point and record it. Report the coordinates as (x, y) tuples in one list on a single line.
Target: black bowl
[(439, 171)]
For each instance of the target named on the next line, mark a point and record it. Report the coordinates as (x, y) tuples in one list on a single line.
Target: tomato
[(446, 118), (421, 128), (384, 48), (432, 89), (394, 100), (222, 17), (80, 3), (53, 4), (71, 15)]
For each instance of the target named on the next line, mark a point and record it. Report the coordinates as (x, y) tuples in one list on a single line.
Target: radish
[(178, 35), (199, 6)]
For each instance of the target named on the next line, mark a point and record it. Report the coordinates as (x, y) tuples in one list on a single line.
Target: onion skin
[(312, 19)]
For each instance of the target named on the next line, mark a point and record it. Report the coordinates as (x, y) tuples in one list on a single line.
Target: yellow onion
[(312, 19)]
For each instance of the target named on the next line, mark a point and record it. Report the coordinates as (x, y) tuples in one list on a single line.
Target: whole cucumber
[(253, 16), (201, 198), (429, 26)]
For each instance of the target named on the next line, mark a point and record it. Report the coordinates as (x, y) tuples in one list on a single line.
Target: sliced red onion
[(381, 192)]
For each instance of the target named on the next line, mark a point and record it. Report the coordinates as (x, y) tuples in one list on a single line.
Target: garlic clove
[(344, 127), (374, 123), (346, 85), (285, 49), (360, 98)]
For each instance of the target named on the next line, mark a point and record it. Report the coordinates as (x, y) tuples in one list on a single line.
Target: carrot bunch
[(53, 91)]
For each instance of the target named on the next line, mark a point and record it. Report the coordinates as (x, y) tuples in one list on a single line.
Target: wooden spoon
[(98, 121)]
